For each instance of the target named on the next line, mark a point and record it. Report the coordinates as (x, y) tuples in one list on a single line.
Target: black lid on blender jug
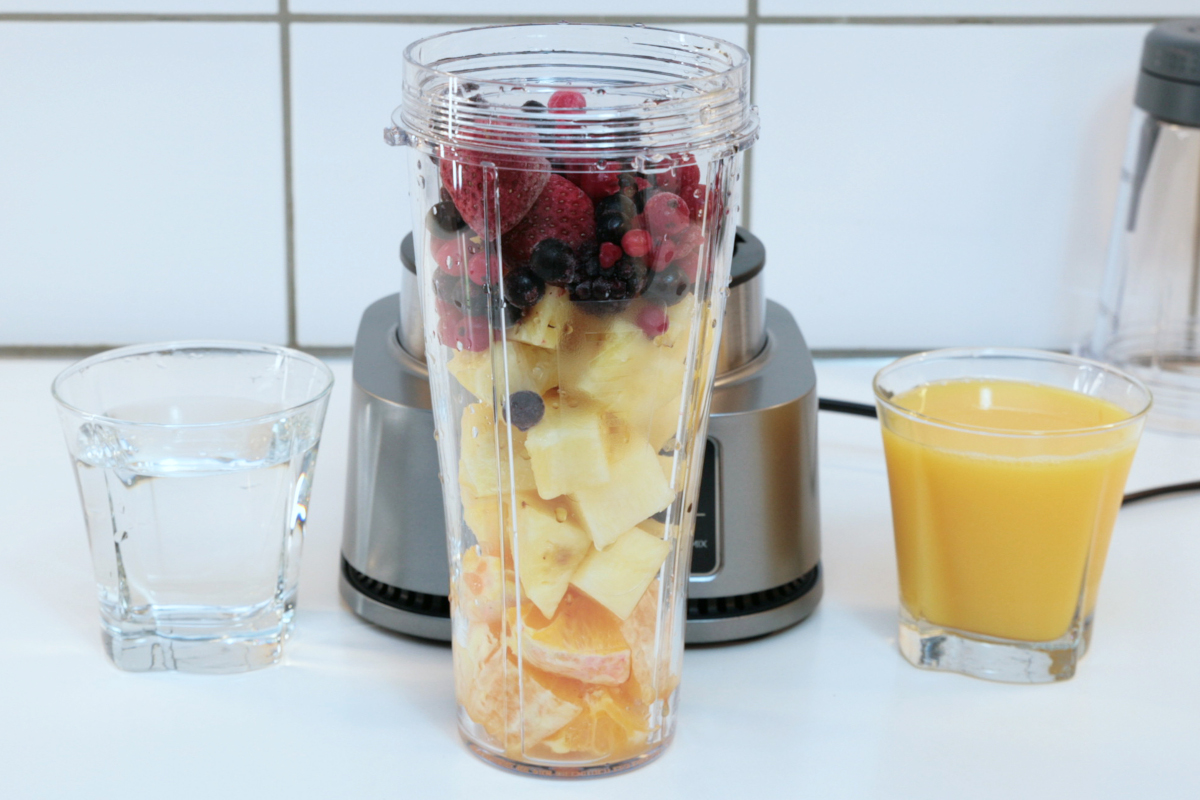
[(1169, 83)]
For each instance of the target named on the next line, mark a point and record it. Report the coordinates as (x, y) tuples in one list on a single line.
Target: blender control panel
[(705, 546)]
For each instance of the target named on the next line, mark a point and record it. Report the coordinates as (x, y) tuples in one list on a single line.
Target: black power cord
[(866, 410)]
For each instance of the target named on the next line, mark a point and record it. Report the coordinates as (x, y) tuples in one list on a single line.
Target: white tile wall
[(351, 190), (554, 8), (916, 184), (140, 182), (141, 6), (940, 185), (970, 8)]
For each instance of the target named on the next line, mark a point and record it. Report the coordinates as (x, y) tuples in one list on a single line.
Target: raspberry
[(449, 319), (664, 255), (567, 99), (653, 320), (474, 334), (667, 213), (447, 256), (636, 243), (478, 269), (689, 241), (689, 264), (609, 254)]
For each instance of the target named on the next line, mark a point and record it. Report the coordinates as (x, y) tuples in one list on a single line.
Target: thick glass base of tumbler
[(938, 648), (549, 770), (196, 649)]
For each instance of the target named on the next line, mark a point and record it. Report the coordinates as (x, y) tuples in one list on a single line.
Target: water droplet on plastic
[(421, 181)]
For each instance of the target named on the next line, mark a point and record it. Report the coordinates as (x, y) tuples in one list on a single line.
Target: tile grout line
[(748, 158), (289, 215), (620, 19)]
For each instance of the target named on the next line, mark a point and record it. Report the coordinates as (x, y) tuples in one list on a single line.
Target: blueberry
[(612, 227), (669, 286), (532, 104), (553, 262), (616, 204), (523, 288), (525, 409), (444, 221)]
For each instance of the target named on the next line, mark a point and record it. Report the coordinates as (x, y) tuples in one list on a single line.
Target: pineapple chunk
[(638, 490), (631, 375), (566, 451), (529, 368), (549, 553), (482, 515), (477, 457), (617, 577), (543, 326), (679, 323)]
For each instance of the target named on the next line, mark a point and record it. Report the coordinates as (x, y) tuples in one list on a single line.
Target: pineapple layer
[(588, 478)]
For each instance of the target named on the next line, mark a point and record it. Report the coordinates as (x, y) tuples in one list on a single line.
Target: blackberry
[(525, 409), (444, 221), (636, 274), (553, 262), (523, 288), (532, 104), (602, 295), (668, 287)]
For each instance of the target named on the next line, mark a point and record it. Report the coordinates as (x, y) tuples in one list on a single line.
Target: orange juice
[(1002, 515)]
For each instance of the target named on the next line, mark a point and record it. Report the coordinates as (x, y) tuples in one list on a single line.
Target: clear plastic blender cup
[(1149, 318), (575, 190)]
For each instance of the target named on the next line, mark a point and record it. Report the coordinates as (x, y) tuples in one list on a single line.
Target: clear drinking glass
[(574, 191), (1007, 469), (194, 462)]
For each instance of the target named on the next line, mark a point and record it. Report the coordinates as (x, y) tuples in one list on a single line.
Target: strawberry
[(562, 212), (519, 180), (599, 183), (682, 175)]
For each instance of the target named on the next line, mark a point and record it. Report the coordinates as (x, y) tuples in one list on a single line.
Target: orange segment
[(583, 642), (607, 729)]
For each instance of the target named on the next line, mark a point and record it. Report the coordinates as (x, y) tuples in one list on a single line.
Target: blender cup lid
[(1169, 83)]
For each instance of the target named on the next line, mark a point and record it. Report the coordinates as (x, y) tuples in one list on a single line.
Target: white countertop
[(827, 709)]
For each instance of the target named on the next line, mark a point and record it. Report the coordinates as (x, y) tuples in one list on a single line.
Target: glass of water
[(194, 462)]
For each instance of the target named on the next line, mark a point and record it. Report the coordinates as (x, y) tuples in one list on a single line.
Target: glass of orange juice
[(1006, 469)]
